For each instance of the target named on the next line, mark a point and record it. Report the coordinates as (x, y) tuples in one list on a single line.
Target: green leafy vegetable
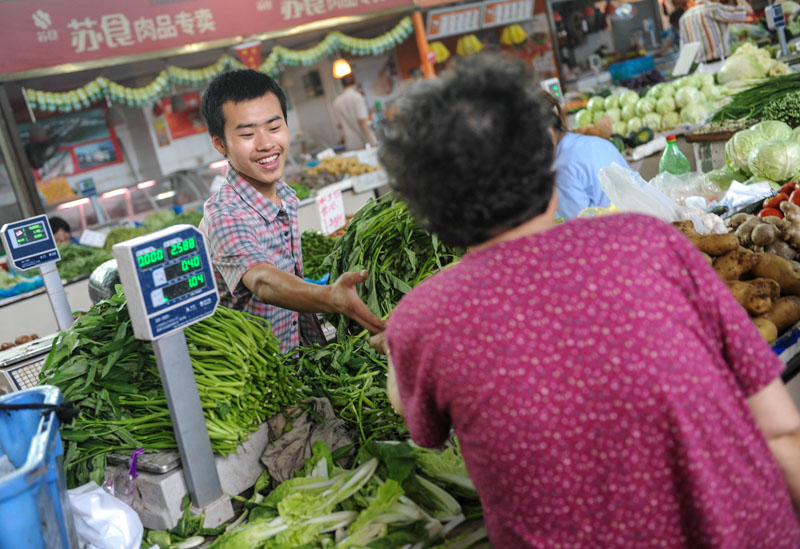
[(384, 239), (315, 248), (113, 379)]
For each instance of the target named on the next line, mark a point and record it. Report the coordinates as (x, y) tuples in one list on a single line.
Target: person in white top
[(352, 116)]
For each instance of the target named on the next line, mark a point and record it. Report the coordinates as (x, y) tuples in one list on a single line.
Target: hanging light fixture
[(341, 68)]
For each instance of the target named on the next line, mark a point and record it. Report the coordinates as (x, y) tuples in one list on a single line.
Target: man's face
[(256, 139), (62, 236)]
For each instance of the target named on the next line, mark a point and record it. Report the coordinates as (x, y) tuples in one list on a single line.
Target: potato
[(767, 329), (785, 313), (734, 264), (784, 272), (711, 244), (756, 296)]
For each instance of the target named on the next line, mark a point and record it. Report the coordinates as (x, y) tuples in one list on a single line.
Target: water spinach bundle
[(113, 379)]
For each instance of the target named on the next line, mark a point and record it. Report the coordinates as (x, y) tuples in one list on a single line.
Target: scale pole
[(782, 40), (188, 422), (58, 298)]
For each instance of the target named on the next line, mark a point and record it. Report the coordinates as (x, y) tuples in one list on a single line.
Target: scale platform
[(20, 365)]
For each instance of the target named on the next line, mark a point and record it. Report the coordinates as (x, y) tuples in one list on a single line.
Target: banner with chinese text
[(46, 33)]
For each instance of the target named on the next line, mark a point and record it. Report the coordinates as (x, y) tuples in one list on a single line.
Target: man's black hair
[(348, 79), (470, 151), (236, 86), (675, 17), (58, 224)]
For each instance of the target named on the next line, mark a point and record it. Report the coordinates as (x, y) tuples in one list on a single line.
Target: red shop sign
[(46, 33)]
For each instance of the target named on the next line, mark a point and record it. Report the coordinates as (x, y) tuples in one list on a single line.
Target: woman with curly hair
[(606, 388)]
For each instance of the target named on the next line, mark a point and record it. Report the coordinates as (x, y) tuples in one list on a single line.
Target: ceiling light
[(115, 192), (341, 68)]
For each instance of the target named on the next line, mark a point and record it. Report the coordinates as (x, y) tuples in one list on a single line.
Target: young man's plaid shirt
[(244, 229)]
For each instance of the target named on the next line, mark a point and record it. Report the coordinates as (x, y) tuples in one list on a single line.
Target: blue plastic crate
[(630, 68), (34, 504)]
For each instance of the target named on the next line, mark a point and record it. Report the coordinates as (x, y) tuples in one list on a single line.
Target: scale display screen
[(187, 265), (182, 247), (29, 242), (195, 282), (173, 278), (28, 234)]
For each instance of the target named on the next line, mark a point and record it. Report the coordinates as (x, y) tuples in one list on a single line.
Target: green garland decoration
[(279, 57)]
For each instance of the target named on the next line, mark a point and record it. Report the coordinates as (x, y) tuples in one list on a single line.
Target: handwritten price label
[(331, 210)]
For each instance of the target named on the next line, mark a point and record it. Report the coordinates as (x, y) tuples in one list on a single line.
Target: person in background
[(707, 22), (577, 163), (671, 37), (251, 223), (62, 233), (606, 388), (352, 116)]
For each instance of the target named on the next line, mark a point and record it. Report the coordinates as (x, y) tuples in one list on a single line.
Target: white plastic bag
[(630, 193), (104, 521)]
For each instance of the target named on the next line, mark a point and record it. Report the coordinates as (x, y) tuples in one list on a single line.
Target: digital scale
[(777, 22), (169, 285), (29, 244), (553, 87), (20, 365)]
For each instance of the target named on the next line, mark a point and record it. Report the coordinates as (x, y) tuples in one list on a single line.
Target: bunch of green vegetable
[(113, 379), (167, 218), (352, 376), (385, 502), (77, 261), (316, 247), (121, 234), (383, 238), (785, 108), (158, 220), (750, 103), (188, 218), (303, 191), (9, 280)]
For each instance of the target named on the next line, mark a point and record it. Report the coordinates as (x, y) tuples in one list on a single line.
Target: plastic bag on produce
[(103, 521), (686, 189), (740, 195), (630, 193)]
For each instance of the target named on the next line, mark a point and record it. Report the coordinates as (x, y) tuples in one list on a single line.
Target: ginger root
[(734, 264), (791, 212), (781, 248), (786, 273), (756, 296), (764, 234)]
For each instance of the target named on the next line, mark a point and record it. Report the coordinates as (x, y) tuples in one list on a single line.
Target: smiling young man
[(251, 223)]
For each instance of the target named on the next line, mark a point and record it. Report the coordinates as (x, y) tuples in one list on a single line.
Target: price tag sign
[(331, 209), (94, 239)]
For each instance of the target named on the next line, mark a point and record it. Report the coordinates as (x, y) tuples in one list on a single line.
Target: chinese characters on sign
[(116, 30), (331, 209), (48, 33)]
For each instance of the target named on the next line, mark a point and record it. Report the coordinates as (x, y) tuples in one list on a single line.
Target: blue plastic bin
[(34, 504), (630, 68)]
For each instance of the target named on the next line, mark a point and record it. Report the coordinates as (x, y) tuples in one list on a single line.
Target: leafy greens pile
[(113, 379), (389, 500), (352, 376), (316, 247), (384, 239), (77, 261)]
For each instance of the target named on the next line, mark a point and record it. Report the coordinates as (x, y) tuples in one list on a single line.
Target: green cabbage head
[(776, 160)]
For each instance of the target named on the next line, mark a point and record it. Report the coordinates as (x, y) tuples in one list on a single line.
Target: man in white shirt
[(352, 116)]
